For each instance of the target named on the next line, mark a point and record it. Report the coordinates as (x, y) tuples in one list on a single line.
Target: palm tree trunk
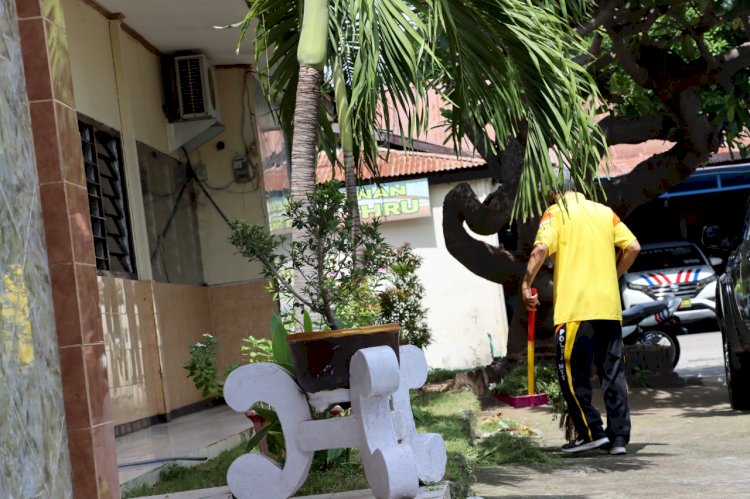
[(347, 145), (304, 153), (312, 55)]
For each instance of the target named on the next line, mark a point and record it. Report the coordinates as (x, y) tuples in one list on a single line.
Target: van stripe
[(695, 276)]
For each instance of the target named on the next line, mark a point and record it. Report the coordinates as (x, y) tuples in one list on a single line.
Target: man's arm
[(627, 258), (536, 259)]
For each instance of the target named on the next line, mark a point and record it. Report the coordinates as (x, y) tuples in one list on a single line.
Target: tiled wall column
[(70, 248)]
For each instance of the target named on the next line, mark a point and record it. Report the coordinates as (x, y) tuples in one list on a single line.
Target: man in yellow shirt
[(581, 236)]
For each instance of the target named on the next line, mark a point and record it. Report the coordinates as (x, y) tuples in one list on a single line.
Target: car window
[(662, 258)]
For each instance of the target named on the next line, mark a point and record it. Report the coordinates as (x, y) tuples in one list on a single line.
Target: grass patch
[(439, 375), (344, 473), (451, 414), (176, 478), (504, 448)]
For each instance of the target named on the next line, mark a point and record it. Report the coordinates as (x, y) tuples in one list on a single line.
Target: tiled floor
[(193, 435)]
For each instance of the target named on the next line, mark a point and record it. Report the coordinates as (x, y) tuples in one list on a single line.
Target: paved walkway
[(686, 442), (202, 434)]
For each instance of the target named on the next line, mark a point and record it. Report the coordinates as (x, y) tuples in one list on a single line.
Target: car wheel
[(663, 339), (738, 377)]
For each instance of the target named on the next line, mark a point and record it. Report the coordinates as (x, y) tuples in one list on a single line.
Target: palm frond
[(505, 62), (497, 62)]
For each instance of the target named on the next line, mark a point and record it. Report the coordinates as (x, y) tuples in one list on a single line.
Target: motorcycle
[(654, 323)]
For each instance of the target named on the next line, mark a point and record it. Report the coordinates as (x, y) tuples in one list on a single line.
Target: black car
[(733, 312)]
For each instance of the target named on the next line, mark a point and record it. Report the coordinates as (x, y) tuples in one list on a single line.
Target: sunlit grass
[(451, 414)]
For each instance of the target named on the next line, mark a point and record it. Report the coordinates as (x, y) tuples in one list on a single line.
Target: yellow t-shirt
[(582, 243)]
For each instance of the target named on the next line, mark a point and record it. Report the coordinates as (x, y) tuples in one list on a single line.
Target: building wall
[(246, 201), (130, 338), (149, 325), (34, 457), (91, 63), (463, 308), (171, 218), (72, 272), (182, 315), (146, 96), (149, 328)]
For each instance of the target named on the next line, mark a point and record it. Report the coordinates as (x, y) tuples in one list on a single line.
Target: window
[(110, 218), (667, 257)]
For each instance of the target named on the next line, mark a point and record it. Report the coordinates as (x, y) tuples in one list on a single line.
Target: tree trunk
[(347, 145), (304, 152)]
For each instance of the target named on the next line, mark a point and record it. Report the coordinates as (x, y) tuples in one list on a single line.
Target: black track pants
[(578, 344)]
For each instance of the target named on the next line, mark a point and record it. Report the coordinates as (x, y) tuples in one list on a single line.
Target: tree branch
[(485, 260), (744, 16), (601, 17), (626, 59), (593, 53), (479, 141), (651, 178), (733, 60), (269, 266), (626, 130), (634, 22)]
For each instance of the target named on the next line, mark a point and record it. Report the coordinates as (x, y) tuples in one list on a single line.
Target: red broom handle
[(530, 348)]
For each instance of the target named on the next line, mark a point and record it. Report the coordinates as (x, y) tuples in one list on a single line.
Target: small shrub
[(362, 309), (256, 350), (202, 367), (401, 302), (330, 275)]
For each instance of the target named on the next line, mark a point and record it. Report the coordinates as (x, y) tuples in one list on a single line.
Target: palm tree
[(502, 64)]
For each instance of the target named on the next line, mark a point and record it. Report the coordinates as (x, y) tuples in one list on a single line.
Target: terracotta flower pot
[(321, 359)]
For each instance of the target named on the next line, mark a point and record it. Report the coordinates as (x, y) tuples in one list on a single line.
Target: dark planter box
[(321, 359)]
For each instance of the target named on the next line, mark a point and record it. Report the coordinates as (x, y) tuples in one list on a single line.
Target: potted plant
[(333, 263)]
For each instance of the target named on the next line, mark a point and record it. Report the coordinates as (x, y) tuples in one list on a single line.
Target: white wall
[(91, 63), (221, 264), (463, 308)]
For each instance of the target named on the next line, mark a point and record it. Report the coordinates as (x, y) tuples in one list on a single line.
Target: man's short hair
[(568, 182)]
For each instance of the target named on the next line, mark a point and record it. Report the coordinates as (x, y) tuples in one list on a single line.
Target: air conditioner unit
[(196, 87)]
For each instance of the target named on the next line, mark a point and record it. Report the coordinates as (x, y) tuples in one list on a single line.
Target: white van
[(677, 268)]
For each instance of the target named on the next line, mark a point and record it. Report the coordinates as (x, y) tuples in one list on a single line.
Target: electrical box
[(241, 169)]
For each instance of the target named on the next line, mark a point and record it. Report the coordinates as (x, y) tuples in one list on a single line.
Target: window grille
[(105, 182)]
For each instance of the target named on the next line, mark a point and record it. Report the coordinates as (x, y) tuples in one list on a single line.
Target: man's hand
[(531, 300)]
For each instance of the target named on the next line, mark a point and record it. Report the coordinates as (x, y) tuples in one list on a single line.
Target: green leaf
[(281, 353), (255, 440), (308, 324), (333, 454), (269, 415)]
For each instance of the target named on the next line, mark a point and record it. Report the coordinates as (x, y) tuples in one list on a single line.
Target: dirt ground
[(686, 442)]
